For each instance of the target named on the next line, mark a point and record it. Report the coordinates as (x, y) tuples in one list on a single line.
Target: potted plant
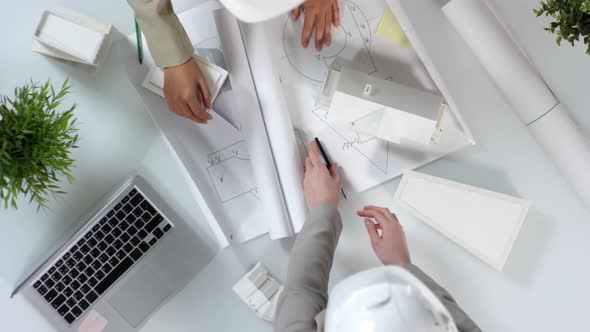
[(571, 20), (36, 140)]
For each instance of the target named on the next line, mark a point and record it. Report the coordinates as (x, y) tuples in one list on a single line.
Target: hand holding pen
[(327, 160), (321, 185)]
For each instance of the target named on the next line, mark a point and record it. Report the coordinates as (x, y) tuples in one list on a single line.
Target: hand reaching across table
[(391, 246), (319, 15)]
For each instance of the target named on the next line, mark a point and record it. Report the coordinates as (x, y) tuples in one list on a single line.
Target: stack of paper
[(68, 35), (259, 291)]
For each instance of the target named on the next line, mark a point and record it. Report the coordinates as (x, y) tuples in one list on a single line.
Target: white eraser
[(70, 36)]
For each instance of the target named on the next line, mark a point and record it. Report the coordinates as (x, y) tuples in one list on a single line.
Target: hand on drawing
[(391, 247), (320, 184), (320, 14), (186, 91)]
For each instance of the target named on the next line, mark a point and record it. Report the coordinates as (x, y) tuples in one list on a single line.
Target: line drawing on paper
[(353, 140), (351, 43), (230, 172)]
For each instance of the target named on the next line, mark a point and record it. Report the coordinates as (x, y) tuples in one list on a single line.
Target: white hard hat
[(385, 299), (259, 10)]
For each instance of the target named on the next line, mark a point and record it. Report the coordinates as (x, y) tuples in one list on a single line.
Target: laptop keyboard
[(101, 256)]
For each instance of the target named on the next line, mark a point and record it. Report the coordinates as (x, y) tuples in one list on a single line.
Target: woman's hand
[(391, 246), (320, 14), (186, 91), (320, 184)]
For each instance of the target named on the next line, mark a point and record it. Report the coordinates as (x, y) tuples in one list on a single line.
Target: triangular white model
[(215, 76), (483, 222)]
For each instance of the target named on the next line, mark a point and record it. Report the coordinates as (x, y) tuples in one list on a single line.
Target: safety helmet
[(387, 299), (259, 10)]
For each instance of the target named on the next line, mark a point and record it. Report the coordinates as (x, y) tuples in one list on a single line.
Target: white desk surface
[(544, 286)]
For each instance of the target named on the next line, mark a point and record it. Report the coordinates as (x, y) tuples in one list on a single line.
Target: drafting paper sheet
[(365, 160), (215, 158), (524, 88), (485, 223)]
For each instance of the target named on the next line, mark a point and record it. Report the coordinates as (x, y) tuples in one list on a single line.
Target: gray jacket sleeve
[(306, 287), (168, 42), (463, 321)]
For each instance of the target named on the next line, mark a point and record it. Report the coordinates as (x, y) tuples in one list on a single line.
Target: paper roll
[(568, 147), (524, 88), (514, 75), (279, 129)]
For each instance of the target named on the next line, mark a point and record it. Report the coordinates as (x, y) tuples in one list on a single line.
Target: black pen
[(328, 163)]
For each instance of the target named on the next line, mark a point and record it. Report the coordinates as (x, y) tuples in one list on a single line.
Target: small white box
[(215, 76), (68, 35)]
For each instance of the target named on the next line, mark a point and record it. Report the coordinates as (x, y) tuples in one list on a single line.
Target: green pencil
[(139, 43)]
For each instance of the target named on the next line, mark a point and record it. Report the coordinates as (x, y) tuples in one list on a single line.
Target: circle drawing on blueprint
[(351, 43)]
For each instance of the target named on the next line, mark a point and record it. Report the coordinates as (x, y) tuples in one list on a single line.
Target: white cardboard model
[(260, 291), (483, 222), (215, 76), (386, 109), (68, 35)]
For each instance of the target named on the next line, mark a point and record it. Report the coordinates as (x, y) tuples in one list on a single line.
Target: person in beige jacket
[(185, 87), (301, 306)]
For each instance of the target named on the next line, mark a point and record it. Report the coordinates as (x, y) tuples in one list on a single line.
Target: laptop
[(119, 266)]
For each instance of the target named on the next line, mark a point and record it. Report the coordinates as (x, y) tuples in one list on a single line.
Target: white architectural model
[(382, 108), (483, 222), (259, 291), (215, 76), (68, 35)]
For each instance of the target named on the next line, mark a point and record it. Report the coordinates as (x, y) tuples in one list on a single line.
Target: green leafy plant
[(36, 140), (571, 20)]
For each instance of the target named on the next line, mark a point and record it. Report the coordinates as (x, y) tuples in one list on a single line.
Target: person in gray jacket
[(302, 305)]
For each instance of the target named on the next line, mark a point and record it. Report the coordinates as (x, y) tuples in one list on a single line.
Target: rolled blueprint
[(564, 142), (279, 129), (263, 165), (524, 88)]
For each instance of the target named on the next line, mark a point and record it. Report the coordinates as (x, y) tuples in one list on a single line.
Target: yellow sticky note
[(390, 29)]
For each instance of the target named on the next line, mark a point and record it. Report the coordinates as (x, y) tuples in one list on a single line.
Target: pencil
[(139, 43), (328, 163)]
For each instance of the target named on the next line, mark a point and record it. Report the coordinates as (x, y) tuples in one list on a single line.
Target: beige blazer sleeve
[(167, 40)]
